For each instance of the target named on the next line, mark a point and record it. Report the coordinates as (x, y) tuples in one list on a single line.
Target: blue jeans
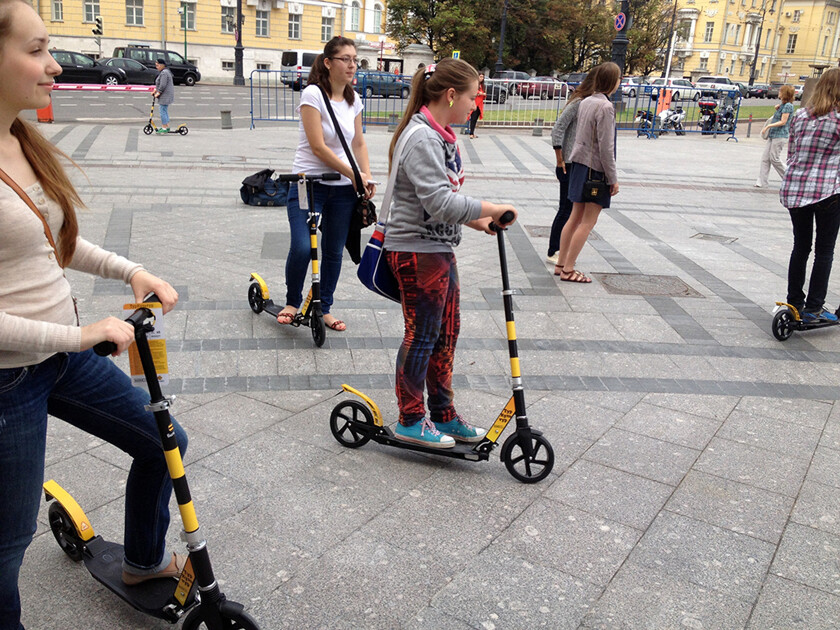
[(335, 205), (564, 210), (164, 114), (93, 394), (826, 215)]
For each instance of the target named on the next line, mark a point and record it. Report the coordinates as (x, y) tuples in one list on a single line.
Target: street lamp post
[(182, 11), (499, 64), (238, 77), (764, 9), (619, 49)]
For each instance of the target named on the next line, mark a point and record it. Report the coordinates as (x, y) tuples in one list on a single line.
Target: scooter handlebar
[(507, 217), (136, 319), (293, 177)]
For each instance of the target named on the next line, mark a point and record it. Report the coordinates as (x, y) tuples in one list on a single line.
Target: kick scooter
[(310, 313), (527, 454), (787, 320), (205, 606), (150, 128)]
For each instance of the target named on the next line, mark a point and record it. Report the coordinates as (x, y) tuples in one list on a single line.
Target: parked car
[(773, 90), (797, 92), (295, 66), (543, 87), (630, 86), (496, 91), (382, 84), (758, 90), (182, 70), (135, 72), (79, 68), (715, 86), (511, 79), (574, 79), (681, 89)]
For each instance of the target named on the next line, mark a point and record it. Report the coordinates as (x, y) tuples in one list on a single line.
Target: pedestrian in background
[(563, 135), (47, 364), (320, 151), (423, 228), (811, 193), (776, 131), (164, 92), (478, 112), (593, 157)]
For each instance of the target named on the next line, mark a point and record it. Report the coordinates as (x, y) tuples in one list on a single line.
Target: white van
[(295, 65)]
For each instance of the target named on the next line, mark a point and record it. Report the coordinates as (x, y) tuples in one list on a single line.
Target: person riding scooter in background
[(47, 365), (164, 92)]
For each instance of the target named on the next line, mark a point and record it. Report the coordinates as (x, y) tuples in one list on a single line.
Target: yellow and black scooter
[(787, 319), (310, 314), (196, 593), (150, 128), (527, 454)]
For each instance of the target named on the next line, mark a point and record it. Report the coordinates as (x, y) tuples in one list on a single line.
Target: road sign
[(456, 54), (620, 21)]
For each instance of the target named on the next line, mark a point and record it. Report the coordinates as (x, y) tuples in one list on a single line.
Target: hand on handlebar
[(110, 329), (143, 283)]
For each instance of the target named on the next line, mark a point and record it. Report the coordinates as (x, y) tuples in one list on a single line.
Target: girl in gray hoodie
[(424, 226)]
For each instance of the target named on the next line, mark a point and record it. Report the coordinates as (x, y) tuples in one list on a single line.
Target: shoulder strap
[(392, 178), (47, 232), (360, 185)]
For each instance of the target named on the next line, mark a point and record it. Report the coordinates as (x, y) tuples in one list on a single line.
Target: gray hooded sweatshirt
[(426, 211)]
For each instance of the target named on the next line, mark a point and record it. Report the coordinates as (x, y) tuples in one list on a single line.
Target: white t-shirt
[(305, 159)]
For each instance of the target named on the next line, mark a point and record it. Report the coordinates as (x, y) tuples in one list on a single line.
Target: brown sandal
[(286, 317), (574, 276), (337, 325), (558, 273)]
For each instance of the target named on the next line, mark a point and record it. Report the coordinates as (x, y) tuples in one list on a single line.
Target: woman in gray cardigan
[(563, 135), (164, 93), (593, 157)]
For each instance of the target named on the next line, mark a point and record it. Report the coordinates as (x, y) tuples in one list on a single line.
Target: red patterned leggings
[(431, 307)]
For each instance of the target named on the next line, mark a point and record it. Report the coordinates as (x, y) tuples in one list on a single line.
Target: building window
[(377, 18), (327, 26), (797, 15), (737, 33), (262, 23), (710, 31), (58, 11), (91, 10), (720, 65), (704, 63), (791, 45), (263, 66), (825, 45), (355, 16), (294, 26), (228, 19), (188, 16), (134, 12), (743, 65), (831, 17), (228, 66)]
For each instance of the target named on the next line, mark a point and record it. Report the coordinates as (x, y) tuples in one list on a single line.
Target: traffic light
[(97, 30)]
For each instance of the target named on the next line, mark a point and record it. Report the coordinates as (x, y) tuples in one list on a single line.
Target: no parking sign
[(620, 21)]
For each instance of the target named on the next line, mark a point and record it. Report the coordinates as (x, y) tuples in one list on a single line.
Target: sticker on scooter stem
[(185, 583), (157, 344), (502, 421)]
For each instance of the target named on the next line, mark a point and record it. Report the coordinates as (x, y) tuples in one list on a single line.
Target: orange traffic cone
[(45, 115)]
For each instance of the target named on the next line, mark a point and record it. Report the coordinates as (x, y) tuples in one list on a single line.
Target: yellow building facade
[(269, 27), (795, 39)]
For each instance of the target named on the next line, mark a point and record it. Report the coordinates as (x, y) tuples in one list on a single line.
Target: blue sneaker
[(425, 433), (461, 430), (820, 316)]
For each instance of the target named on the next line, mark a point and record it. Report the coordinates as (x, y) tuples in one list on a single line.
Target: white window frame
[(57, 10), (709, 33), (91, 11), (228, 20), (791, 44), (327, 28), (356, 16), (188, 16), (295, 23), (262, 23), (134, 13), (228, 66), (378, 9)]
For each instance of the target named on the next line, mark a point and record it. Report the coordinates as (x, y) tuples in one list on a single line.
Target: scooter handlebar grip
[(293, 177), (331, 177), (288, 177), (507, 217), (106, 348)]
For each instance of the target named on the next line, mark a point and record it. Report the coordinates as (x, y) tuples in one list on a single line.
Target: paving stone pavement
[(697, 468)]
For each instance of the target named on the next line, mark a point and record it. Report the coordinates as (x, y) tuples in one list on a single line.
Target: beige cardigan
[(37, 316), (596, 152)]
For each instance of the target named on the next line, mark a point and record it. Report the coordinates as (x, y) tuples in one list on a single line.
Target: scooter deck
[(104, 561), (461, 450)]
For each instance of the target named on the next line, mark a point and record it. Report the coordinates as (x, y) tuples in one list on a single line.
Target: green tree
[(443, 25), (648, 35)]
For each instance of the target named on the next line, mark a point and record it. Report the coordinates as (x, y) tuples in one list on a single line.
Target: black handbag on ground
[(365, 208), (595, 189)]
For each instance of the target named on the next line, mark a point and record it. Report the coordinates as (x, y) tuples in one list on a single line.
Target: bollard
[(538, 127), (45, 114), (227, 121), (392, 122), (749, 126)]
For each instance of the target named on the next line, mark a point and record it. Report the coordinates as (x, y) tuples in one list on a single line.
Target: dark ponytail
[(320, 74)]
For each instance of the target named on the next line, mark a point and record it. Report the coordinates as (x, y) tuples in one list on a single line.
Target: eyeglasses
[(348, 60)]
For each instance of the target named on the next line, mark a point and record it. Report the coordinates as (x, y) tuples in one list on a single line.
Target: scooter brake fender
[(263, 286), (790, 307), (80, 520), (374, 408)]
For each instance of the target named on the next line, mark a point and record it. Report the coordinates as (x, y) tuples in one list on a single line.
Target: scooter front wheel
[(255, 298), (183, 130), (148, 130), (65, 532), (319, 330), (232, 615), (349, 421), (528, 462), (783, 325)]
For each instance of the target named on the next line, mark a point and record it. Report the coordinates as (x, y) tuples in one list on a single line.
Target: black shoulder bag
[(594, 189), (365, 208)]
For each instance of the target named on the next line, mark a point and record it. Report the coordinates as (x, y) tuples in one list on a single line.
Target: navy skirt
[(577, 180)]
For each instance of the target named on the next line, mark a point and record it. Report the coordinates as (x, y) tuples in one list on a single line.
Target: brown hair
[(786, 93), (320, 74), (826, 96), (45, 160), (426, 88)]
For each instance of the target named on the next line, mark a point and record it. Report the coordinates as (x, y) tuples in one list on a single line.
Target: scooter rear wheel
[(255, 298), (148, 130), (231, 619), (65, 532), (783, 325), (345, 419), (524, 468)]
